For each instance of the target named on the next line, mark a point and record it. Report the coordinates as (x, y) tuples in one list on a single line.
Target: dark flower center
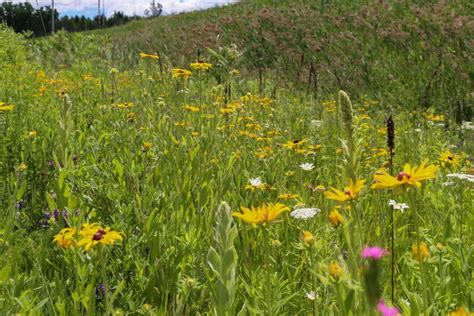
[(97, 236), (402, 175)]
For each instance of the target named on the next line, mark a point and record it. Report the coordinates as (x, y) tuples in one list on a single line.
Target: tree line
[(23, 17)]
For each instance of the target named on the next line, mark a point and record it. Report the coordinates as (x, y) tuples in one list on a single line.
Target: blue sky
[(89, 7)]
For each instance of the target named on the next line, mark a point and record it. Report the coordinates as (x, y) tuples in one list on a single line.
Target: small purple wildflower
[(385, 310), (373, 252)]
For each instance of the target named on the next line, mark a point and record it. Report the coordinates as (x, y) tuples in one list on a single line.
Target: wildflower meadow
[(140, 183)]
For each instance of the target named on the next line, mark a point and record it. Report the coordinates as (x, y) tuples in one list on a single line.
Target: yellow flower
[(6, 107), (65, 238), (125, 105), (32, 134), (201, 65), (93, 235), (450, 159), (335, 270), (194, 134), (22, 167), (336, 218), (262, 215), (182, 124), (419, 251), (234, 72), (288, 196), (350, 192), (147, 145), (409, 176), (294, 144), (461, 311), (131, 116), (150, 56), (308, 238), (192, 108), (180, 73), (435, 118)]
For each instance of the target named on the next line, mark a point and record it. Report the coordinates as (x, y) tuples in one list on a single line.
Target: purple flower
[(387, 311), (373, 252), (51, 163)]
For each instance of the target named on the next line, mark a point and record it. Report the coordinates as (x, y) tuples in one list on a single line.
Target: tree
[(155, 9)]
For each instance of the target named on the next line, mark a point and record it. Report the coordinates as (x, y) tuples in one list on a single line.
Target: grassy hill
[(390, 48)]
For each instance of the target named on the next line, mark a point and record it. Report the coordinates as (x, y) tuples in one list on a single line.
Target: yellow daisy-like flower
[(335, 218), (200, 65), (94, 234), (262, 215), (192, 108), (32, 134), (350, 192), (435, 118), (461, 311), (447, 158), (308, 238), (147, 145), (294, 144), (335, 270), (149, 56), (409, 176), (180, 73), (419, 251), (288, 196), (65, 238), (6, 107)]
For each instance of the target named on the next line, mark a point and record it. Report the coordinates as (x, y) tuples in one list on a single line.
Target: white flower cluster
[(467, 126), (461, 176), (305, 213), (307, 166), (398, 206), (256, 182)]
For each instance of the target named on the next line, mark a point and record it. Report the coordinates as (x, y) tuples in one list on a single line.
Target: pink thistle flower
[(373, 252), (387, 311)]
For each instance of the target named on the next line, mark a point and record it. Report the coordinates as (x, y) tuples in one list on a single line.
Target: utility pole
[(52, 14)]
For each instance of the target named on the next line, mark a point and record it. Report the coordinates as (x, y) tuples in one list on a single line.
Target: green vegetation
[(248, 183)]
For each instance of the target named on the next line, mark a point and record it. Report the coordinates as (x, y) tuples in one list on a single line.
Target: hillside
[(387, 48)]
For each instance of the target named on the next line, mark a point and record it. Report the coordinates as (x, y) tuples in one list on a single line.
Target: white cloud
[(128, 6)]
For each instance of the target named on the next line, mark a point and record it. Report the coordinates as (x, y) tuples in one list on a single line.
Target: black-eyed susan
[(200, 65), (335, 270), (308, 238), (192, 108), (288, 196), (335, 218), (449, 159), (148, 56), (410, 176), (6, 107), (66, 237), (147, 145), (180, 73), (93, 235), (351, 192), (262, 215), (294, 144), (419, 251)]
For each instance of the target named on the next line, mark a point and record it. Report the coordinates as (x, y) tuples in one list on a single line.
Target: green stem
[(268, 272), (104, 279), (424, 284)]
